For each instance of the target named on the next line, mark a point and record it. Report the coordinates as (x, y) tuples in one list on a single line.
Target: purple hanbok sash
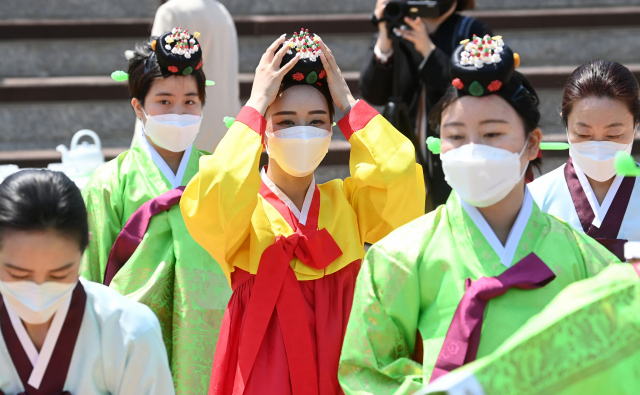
[(607, 233), (463, 337), (133, 231), (56, 374)]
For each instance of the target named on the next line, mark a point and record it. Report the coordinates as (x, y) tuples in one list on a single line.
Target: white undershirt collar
[(599, 211), (301, 216), (39, 361), (174, 179), (506, 253)]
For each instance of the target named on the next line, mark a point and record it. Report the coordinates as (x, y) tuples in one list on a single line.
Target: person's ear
[(137, 108), (535, 138)]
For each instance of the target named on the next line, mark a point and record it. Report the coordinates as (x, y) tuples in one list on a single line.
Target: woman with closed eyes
[(601, 111)]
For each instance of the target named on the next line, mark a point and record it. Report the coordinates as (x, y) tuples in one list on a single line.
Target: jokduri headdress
[(177, 52), (309, 69), (482, 66)]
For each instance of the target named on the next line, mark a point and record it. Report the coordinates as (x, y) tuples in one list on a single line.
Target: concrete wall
[(69, 9), (45, 125)]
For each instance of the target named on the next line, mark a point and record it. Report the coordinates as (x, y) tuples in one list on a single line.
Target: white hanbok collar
[(506, 252), (599, 211), (300, 215), (174, 179), (40, 360)]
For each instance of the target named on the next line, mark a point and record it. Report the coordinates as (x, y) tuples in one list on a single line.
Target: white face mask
[(173, 132), (300, 149), (595, 158), (36, 303), (482, 175)]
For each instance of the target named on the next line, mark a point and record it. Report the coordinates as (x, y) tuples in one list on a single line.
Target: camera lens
[(393, 11)]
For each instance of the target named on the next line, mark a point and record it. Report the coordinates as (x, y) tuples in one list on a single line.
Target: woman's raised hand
[(268, 78), (340, 92)]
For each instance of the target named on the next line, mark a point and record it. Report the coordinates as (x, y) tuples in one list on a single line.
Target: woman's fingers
[(325, 64), (277, 59), (329, 57), (269, 54), (415, 24), (287, 67), (409, 36)]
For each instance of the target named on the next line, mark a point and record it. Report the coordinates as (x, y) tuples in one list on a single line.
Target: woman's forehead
[(472, 110), (175, 84), (300, 97), (600, 110)]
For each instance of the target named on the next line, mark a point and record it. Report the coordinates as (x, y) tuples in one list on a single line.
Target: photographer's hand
[(340, 93), (384, 44), (268, 78), (418, 36)]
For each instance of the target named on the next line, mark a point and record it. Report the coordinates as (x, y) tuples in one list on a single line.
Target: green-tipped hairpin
[(625, 165), (433, 143), (119, 76), (228, 121)]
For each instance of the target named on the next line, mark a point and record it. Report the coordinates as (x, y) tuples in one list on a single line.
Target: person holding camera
[(423, 62)]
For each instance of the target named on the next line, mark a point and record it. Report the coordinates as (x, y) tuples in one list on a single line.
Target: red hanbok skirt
[(327, 302)]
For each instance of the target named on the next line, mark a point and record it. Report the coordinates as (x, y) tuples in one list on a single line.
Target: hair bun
[(178, 52), (482, 66), (309, 69)]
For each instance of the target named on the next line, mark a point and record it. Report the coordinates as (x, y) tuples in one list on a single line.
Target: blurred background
[(57, 56)]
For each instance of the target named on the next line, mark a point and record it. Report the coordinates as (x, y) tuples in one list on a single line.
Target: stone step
[(42, 113), (94, 9), (288, 7), (102, 88), (43, 55), (257, 25)]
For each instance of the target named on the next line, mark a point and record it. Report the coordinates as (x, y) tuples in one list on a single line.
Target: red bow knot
[(276, 287), (317, 251)]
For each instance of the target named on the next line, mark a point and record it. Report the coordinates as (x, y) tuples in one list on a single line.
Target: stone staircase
[(57, 57)]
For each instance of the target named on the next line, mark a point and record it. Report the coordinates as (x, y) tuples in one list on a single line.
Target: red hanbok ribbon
[(133, 231), (463, 337), (276, 287)]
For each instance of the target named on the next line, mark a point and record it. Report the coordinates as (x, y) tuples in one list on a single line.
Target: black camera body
[(396, 10)]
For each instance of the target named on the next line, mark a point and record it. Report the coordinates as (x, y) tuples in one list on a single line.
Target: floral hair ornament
[(177, 52), (309, 68), (482, 66)]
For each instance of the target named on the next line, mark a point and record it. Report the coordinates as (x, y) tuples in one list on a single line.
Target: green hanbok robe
[(412, 281), (585, 342), (169, 271)]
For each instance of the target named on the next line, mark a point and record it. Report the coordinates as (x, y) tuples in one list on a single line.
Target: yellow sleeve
[(386, 187), (219, 201)]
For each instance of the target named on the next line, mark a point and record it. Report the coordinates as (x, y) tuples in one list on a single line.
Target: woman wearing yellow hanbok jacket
[(292, 249)]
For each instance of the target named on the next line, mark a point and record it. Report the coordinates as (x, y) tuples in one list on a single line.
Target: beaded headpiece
[(481, 66), (309, 69), (177, 52)]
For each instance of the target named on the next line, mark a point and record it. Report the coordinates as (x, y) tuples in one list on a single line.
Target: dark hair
[(40, 200), (600, 78), (324, 92), (518, 92), (465, 5), (144, 69)]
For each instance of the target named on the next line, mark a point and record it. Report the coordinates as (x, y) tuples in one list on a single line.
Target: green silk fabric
[(414, 279), (585, 342), (169, 272)]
